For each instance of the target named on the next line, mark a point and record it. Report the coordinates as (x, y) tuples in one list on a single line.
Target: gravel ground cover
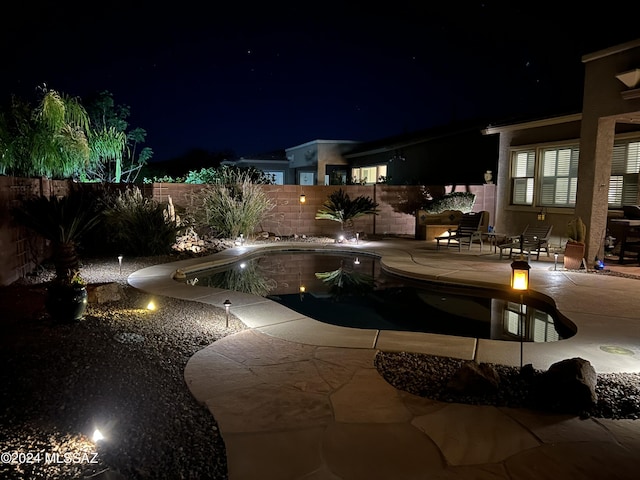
[(122, 370)]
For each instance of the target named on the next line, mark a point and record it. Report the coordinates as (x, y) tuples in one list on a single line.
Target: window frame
[(531, 178), (563, 177), (525, 181)]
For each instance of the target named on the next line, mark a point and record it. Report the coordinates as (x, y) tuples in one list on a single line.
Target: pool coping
[(585, 300)]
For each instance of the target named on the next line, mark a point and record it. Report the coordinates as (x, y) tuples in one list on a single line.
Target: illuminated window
[(369, 175), (277, 176)]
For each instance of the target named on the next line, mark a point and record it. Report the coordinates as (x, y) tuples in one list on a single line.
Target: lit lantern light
[(303, 289), (303, 198), (520, 275), (356, 261), (97, 436), (151, 305), (520, 282)]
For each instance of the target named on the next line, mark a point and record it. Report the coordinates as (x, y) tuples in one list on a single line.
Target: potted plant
[(62, 221), (67, 297), (575, 248)]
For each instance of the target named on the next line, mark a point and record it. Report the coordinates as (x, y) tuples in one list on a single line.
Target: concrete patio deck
[(298, 399)]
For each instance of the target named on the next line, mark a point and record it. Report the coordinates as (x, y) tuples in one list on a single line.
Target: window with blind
[(625, 167), (559, 182), (522, 177)]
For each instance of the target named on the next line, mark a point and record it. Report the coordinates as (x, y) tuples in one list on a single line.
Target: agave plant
[(62, 221)]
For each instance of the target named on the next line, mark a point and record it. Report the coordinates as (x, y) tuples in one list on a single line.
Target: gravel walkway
[(122, 369)]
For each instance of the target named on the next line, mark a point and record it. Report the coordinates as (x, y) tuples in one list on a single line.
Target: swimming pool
[(353, 290)]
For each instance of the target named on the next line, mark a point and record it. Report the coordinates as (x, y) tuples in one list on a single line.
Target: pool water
[(354, 291)]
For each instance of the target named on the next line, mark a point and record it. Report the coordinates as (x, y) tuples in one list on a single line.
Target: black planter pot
[(66, 303)]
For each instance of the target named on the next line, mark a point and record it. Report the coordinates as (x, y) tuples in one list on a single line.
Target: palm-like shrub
[(62, 221), (48, 140), (339, 207), (346, 282)]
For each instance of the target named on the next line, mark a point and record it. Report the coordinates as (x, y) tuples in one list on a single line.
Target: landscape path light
[(120, 263), (97, 436), (227, 304)]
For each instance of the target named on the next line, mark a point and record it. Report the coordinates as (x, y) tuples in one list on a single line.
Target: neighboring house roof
[(414, 138), (321, 141), (255, 161), (543, 122), (274, 156)]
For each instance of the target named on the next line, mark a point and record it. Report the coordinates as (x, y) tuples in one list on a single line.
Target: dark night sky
[(253, 79)]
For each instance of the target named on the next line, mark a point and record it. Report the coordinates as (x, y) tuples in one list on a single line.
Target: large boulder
[(569, 386), (474, 379), (104, 292)]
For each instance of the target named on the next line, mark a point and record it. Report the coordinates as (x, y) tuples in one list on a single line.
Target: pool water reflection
[(354, 291)]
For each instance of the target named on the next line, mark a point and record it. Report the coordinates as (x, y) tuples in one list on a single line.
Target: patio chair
[(470, 227), (535, 238)]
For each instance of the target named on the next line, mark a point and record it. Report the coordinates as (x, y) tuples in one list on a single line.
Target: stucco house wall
[(609, 108), (512, 219)]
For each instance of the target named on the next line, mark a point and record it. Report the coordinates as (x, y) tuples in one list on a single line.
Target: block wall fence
[(21, 251)]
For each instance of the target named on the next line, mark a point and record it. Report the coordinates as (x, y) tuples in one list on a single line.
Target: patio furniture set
[(473, 227)]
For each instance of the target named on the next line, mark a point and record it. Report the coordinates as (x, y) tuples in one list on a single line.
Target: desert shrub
[(461, 201), (163, 179), (231, 209), (139, 225), (228, 175)]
